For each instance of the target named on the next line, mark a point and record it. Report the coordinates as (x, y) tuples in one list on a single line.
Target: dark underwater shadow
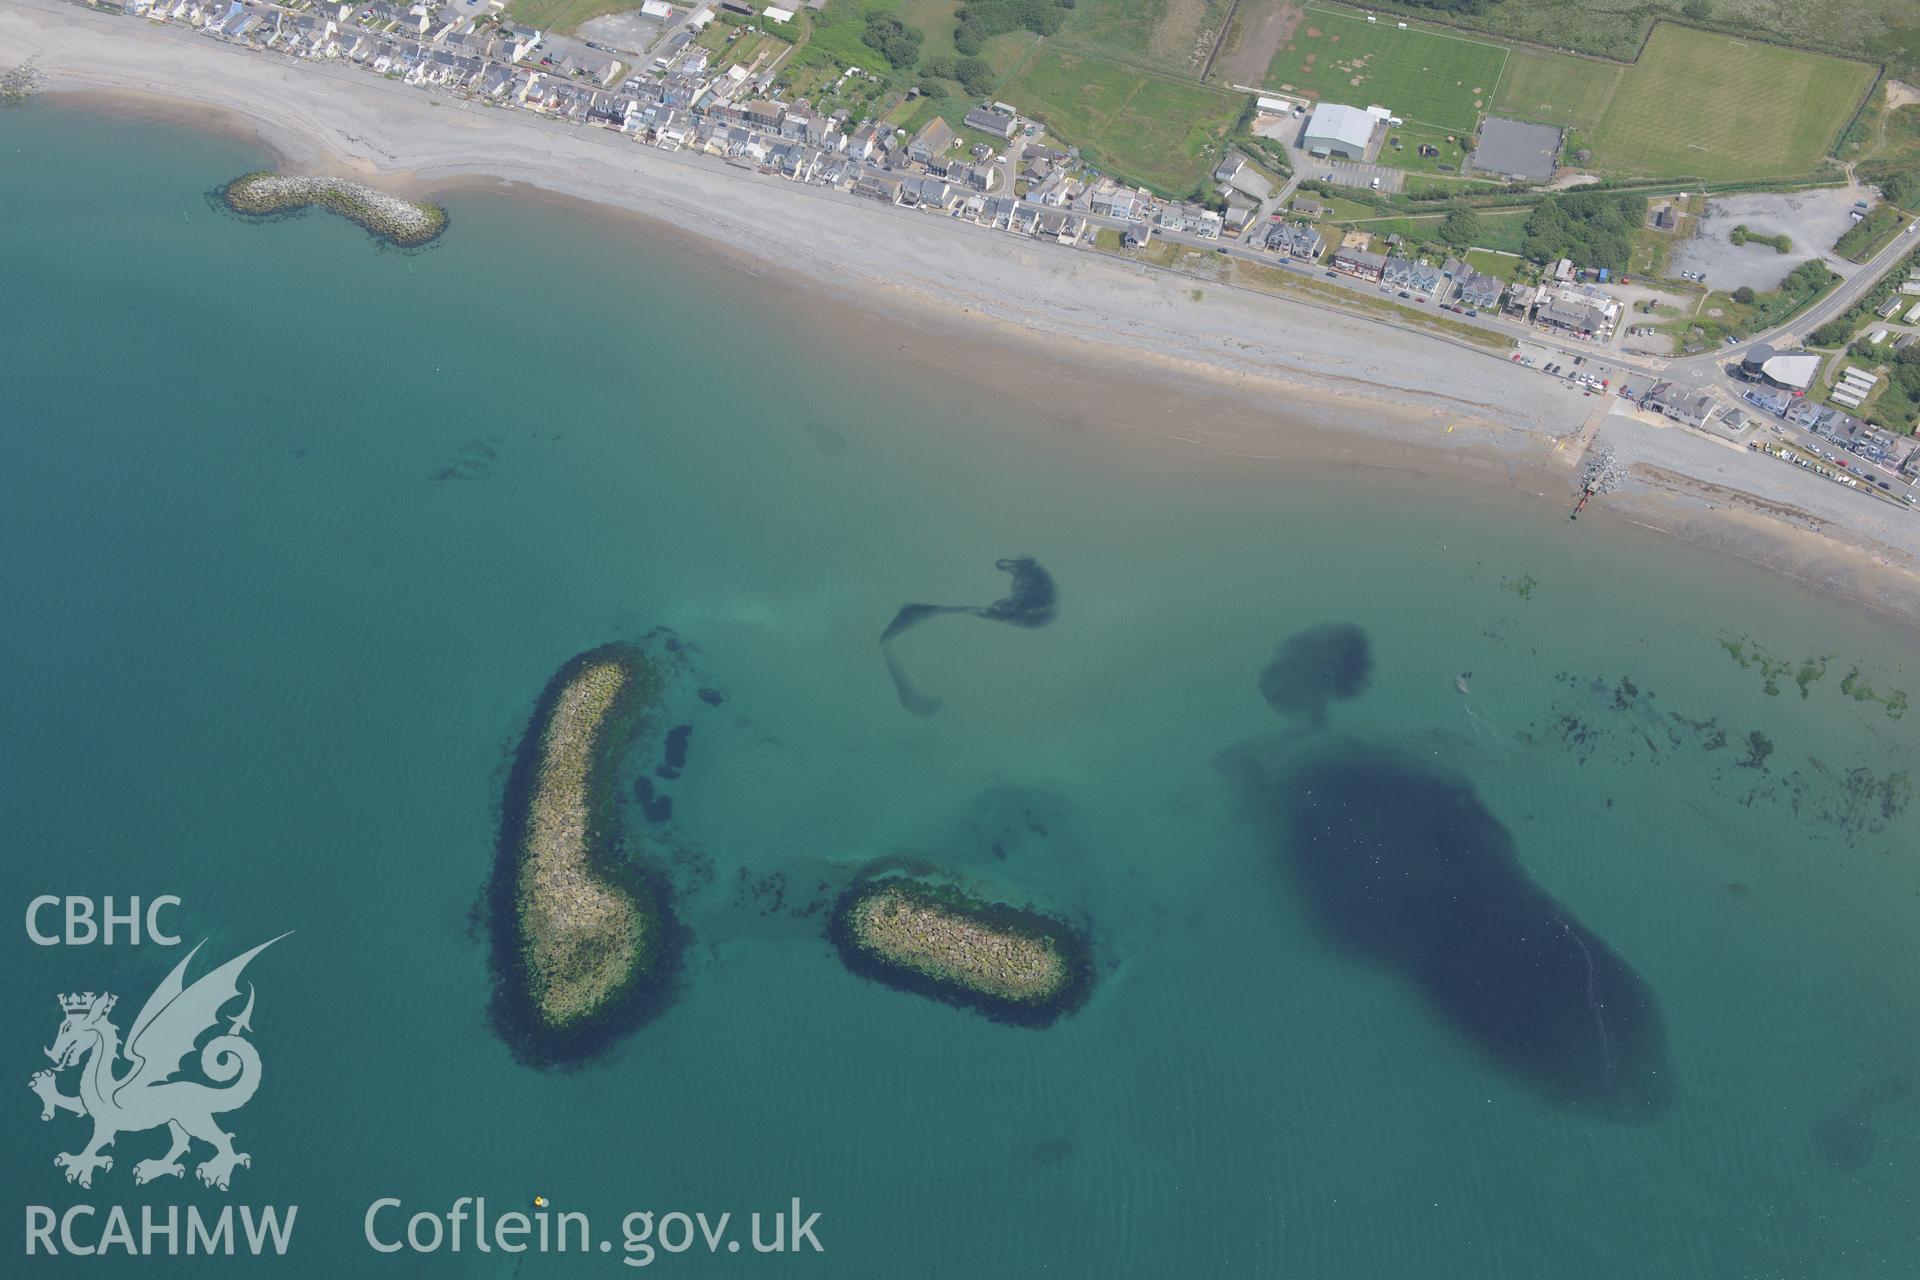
[(1403, 868), (1328, 663), (1031, 601)]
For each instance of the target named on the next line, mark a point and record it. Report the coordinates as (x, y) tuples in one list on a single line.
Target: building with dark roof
[(987, 120), (1515, 149)]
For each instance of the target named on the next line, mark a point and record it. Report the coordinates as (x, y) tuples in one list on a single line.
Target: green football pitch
[(1417, 73)]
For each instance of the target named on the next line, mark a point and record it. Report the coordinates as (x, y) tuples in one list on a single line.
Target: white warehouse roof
[(1349, 126), (1792, 371)]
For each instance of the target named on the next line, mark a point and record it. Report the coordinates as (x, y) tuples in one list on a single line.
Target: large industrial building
[(1790, 371), (1348, 133)]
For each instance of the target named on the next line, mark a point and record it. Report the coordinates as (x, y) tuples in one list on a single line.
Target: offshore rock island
[(584, 941), (1014, 964), (401, 223)]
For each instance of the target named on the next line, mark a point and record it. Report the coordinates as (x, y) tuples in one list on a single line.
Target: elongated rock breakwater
[(1013, 964), (584, 940), (399, 222)]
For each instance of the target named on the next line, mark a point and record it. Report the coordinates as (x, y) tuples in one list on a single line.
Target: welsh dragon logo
[(146, 1095)]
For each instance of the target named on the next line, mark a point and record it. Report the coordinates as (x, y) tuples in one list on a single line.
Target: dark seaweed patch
[(674, 755), (1031, 601), (1312, 668), (655, 807), (473, 460), (1622, 724), (1405, 868)]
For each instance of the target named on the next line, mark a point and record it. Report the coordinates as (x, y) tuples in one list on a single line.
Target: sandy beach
[(1081, 334)]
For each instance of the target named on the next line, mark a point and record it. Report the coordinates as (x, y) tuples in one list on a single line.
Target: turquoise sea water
[(293, 530)]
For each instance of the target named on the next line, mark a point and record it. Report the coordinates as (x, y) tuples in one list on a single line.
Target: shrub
[(975, 76), (895, 41), (1461, 228)]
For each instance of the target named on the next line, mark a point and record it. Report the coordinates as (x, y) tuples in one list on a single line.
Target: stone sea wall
[(399, 222), (585, 943), (1013, 964)]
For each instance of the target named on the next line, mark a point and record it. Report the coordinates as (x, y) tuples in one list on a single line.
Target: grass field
[(1873, 30), (1419, 73), (1707, 106), (1173, 36), (565, 16), (934, 19), (1552, 88), (1504, 265), (1144, 128), (1411, 137)]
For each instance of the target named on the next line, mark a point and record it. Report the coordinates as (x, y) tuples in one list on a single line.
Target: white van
[(1376, 184)]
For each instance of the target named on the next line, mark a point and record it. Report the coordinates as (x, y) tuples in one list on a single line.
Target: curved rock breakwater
[(1013, 964), (399, 222), (584, 940)]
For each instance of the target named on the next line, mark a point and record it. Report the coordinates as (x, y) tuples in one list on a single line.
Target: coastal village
[(1289, 199)]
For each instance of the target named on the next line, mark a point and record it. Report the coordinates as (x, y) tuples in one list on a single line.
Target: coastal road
[(1831, 307), (1709, 370)]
